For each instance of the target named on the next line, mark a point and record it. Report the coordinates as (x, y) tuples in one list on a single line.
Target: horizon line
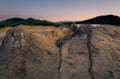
[(56, 20)]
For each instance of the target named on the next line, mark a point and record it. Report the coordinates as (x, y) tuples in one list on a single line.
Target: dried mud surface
[(88, 53)]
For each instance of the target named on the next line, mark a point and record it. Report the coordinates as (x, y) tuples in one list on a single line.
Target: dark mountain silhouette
[(64, 22), (15, 19), (106, 19), (30, 21), (11, 22)]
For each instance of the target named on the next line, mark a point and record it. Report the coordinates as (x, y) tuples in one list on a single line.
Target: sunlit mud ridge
[(89, 52)]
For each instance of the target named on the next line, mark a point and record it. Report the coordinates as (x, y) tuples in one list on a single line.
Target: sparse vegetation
[(30, 21)]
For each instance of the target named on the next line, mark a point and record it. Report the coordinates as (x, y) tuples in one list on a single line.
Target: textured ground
[(88, 53)]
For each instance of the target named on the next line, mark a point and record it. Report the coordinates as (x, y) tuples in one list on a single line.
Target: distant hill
[(106, 19), (64, 22), (30, 21), (11, 22), (15, 19)]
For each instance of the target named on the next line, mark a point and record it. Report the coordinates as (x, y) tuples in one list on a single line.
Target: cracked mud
[(89, 53)]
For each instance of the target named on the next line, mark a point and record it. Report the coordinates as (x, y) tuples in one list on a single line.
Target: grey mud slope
[(89, 53)]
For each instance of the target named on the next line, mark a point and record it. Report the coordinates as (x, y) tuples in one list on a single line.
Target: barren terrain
[(60, 53)]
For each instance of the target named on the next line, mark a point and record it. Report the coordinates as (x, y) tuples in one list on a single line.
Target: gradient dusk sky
[(58, 10)]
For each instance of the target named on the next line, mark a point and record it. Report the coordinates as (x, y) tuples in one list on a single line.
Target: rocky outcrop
[(89, 53), (92, 53), (26, 56)]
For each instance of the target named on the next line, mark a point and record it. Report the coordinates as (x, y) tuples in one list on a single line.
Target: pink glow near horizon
[(53, 10)]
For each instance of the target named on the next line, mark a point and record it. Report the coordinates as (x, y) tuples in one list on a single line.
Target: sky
[(58, 10)]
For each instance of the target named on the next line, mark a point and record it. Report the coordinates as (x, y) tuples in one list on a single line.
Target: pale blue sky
[(58, 10)]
